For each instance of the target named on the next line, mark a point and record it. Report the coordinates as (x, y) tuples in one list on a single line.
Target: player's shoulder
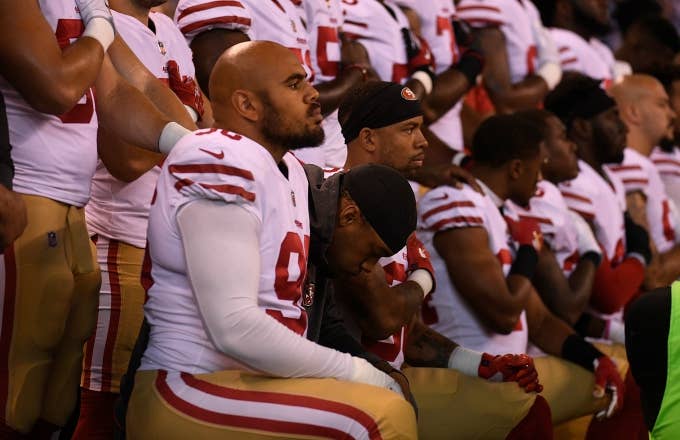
[(479, 13), (446, 207), (196, 16), (635, 169)]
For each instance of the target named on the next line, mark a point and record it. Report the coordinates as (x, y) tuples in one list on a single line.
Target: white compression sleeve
[(221, 247)]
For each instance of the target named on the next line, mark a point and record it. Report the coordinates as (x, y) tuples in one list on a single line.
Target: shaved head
[(645, 108), (260, 89), (635, 87)]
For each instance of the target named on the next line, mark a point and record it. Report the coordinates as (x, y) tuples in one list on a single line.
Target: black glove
[(637, 239)]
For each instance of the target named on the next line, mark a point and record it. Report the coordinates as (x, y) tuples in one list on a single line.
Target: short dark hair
[(577, 96), (502, 138)]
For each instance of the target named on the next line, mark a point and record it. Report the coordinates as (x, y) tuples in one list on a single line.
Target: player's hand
[(433, 176), (353, 52), (90, 9), (546, 49), (637, 239), (417, 256), (607, 379), (185, 88), (511, 368), (526, 231), (12, 217)]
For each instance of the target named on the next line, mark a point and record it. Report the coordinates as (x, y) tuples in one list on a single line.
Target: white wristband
[(192, 113), (101, 30), (616, 332), (423, 278), (171, 134), (424, 79), (364, 372), (551, 73), (465, 361)]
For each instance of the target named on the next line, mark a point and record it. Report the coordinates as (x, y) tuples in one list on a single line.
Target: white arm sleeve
[(221, 247)]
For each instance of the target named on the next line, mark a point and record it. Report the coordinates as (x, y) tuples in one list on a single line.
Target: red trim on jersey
[(211, 168), (666, 161), (504, 257), (356, 23), (545, 221), (670, 173), (216, 20), (569, 61), (458, 219), (617, 168), (276, 2), (209, 5), (10, 291), (477, 8), (640, 181), (246, 422), (114, 314), (457, 204), (481, 20), (580, 198), (563, 49)]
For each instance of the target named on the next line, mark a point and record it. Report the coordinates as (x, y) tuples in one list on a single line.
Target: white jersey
[(591, 58), (602, 203), (378, 26), (513, 18), (272, 20), (54, 156), (638, 173), (224, 166), (550, 210), (668, 165), (324, 20), (435, 26), (446, 310), (119, 210)]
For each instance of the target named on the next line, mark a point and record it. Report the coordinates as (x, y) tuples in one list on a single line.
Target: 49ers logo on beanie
[(408, 94)]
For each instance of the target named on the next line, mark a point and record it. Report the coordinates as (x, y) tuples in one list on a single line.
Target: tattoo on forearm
[(427, 348)]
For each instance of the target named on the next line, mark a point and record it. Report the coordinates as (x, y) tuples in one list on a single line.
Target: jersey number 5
[(81, 113)]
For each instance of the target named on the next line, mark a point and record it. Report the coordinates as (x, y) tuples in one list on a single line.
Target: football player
[(228, 243), (50, 278), (117, 213)]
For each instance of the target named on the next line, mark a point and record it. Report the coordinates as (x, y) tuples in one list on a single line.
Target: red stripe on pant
[(266, 397), (114, 317), (89, 345)]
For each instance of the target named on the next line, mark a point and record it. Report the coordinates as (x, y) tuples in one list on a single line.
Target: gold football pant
[(120, 314), (49, 307), (452, 405), (234, 404)]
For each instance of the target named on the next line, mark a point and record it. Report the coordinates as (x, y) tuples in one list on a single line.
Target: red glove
[(417, 256), (526, 231), (185, 88), (607, 378), (510, 368), (420, 55)]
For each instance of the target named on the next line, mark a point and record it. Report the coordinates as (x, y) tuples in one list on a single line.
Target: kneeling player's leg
[(232, 404), (107, 352), (62, 387), (36, 302), (453, 405), (568, 388)]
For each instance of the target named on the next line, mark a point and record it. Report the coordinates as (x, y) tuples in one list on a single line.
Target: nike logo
[(219, 155), (444, 197)]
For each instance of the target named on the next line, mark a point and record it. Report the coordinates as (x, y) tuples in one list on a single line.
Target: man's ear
[(368, 139), (515, 169), (580, 129), (349, 212), (247, 104)]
